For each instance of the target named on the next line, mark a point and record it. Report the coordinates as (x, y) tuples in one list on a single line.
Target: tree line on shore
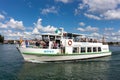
[(1, 39), (114, 43)]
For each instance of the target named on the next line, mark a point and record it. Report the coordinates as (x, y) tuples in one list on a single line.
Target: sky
[(94, 18)]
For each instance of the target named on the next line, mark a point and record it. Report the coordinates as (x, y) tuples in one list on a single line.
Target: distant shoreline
[(109, 43), (113, 43)]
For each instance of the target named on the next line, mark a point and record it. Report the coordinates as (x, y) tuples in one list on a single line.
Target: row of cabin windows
[(89, 49)]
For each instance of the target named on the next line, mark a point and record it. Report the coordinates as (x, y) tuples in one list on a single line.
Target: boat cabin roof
[(50, 34), (68, 34), (53, 36)]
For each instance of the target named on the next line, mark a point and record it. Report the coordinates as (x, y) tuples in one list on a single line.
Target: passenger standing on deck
[(61, 47), (26, 43), (20, 41), (54, 45), (37, 43), (23, 44), (57, 45), (47, 44)]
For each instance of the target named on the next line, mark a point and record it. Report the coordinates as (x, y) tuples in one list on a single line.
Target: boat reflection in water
[(92, 69)]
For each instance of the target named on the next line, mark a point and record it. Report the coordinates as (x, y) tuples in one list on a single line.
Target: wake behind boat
[(62, 47)]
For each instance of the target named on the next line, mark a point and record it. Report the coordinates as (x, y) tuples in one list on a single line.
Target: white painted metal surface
[(35, 58)]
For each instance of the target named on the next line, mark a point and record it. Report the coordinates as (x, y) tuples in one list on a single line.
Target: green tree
[(1, 39)]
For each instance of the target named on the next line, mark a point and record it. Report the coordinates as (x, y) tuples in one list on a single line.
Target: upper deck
[(74, 36)]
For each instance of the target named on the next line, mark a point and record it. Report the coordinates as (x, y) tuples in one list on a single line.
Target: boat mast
[(103, 40)]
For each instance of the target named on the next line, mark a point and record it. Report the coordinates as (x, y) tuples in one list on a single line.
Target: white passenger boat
[(63, 47)]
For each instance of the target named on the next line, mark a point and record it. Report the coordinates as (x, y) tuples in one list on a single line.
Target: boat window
[(58, 37), (45, 37), (52, 38), (69, 35), (83, 49), (75, 49), (99, 49), (94, 49), (89, 49)]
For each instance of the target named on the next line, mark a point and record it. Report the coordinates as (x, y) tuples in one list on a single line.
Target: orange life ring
[(69, 42)]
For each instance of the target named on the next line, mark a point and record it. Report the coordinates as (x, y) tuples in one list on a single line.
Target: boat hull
[(55, 58)]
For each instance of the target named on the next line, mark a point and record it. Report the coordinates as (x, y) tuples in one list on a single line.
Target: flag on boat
[(57, 31)]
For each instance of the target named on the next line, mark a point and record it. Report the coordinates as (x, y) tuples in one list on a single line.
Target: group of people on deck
[(41, 44), (46, 44), (56, 45), (24, 43)]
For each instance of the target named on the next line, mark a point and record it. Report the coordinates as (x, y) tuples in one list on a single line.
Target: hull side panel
[(36, 58)]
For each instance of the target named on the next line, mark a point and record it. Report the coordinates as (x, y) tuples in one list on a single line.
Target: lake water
[(12, 67)]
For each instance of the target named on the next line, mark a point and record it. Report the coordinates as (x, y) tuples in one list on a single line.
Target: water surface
[(13, 67)]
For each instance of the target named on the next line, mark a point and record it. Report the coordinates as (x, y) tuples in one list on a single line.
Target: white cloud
[(112, 14), (35, 31), (49, 10), (113, 39), (109, 29), (11, 35), (29, 28), (12, 29), (5, 32), (92, 16), (101, 5), (81, 6), (15, 24), (18, 34), (78, 9), (28, 35), (9, 31), (3, 25), (89, 29), (39, 24), (49, 28), (112, 36), (9, 27), (95, 35), (15, 34), (64, 1), (81, 29), (82, 24), (2, 16), (100, 9), (42, 28)]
